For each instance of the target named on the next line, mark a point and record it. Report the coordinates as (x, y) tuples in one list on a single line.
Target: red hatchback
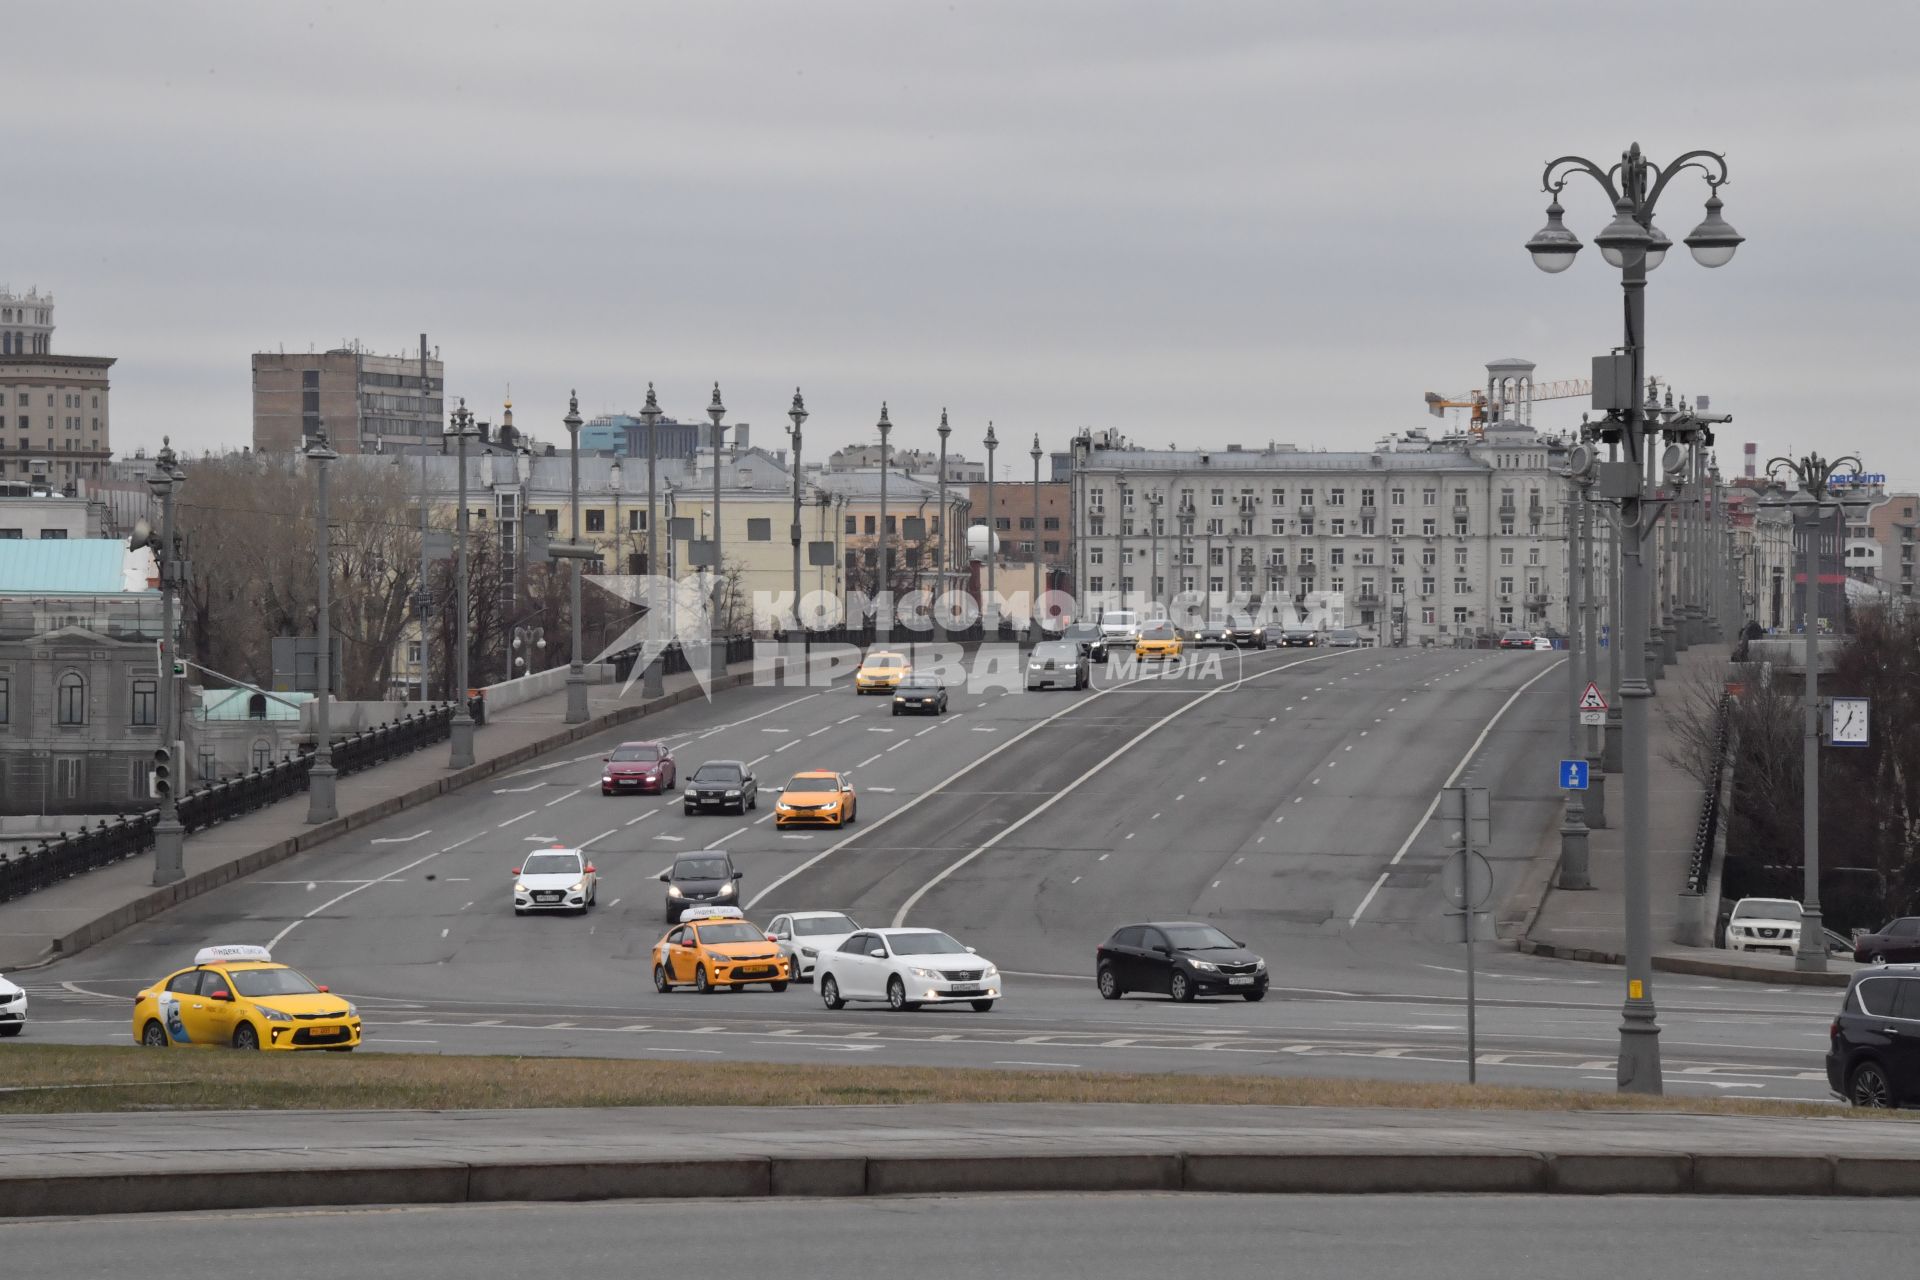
[(639, 766)]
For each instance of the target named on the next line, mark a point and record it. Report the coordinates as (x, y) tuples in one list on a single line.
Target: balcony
[(1368, 599)]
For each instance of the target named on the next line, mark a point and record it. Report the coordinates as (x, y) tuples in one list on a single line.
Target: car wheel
[(687, 809), (753, 802), (12, 1029), (1110, 988), (660, 982), (1181, 988), (1254, 997), (153, 1035), (606, 791), (673, 914), (1877, 957), (519, 911), (700, 981), (675, 784), (897, 994), (853, 814), (830, 993), (896, 711), (982, 1006), (245, 1037), (778, 986), (1869, 1088)]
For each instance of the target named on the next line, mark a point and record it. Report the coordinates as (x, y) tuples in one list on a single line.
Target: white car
[(1120, 626), (1542, 644), (13, 1008), (556, 879), (1764, 924), (803, 936), (906, 968)]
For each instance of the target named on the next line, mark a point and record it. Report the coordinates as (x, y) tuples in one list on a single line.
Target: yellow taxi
[(816, 800), (1158, 640), (714, 947), (237, 996), (881, 672)]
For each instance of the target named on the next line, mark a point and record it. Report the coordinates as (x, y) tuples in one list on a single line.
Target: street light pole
[(991, 616), (1634, 245), (1154, 500), (1590, 638), (798, 414), (169, 836), (321, 778), (1033, 610), (654, 681), (718, 662), (576, 670), (460, 736), (883, 583), (1573, 827), (946, 516)]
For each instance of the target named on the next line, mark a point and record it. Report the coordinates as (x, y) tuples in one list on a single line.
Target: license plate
[(1240, 982), (322, 1033), (967, 991)]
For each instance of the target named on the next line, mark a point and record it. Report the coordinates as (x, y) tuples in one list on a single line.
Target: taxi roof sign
[(693, 914), (232, 951)]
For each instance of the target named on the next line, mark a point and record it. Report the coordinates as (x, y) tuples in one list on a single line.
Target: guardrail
[(68, 855), (1700, 861)]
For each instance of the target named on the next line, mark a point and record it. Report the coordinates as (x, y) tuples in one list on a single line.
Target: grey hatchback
[(1058, 664)]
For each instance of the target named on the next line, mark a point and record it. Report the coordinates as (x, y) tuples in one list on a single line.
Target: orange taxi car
[(1159, 640), (714, 947), (816, 800), (237, 996), (881, 672)]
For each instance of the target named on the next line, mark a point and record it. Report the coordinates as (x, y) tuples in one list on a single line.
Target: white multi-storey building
[(1417, 541)]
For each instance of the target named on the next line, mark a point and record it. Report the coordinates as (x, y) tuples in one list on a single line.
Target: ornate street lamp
[(654, 682), (798, 414), (169, 835), (460, 737)]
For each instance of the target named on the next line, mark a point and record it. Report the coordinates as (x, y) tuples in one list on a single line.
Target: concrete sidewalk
[(151, 1162), (70, 916), (1589, 924)]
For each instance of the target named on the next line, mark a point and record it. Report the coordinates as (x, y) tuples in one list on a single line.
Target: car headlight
[(272, 1015), (646, 777), (726, 888), (606, 777), (781, 806), (1206, 965), (927, 973), (580, 887), (519, 888), (991, 975), (809, 952), (733, 795), (673, 891), (1259, 966), (353, 1010), (1068, 666)]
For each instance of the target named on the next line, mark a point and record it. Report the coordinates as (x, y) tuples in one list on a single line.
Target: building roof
[(233, 704), (1201, 462), (65, 567)]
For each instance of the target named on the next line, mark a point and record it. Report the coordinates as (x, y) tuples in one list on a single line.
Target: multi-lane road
[(1283, 795)]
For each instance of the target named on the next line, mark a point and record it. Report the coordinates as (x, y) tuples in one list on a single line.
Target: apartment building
[(55, 429), (371, 403)]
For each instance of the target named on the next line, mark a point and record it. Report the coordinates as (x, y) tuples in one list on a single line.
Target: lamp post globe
[(1712, 242), (1553, 246)]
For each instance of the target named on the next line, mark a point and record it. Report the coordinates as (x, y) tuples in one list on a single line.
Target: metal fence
[(1700, 861), (75, 853)]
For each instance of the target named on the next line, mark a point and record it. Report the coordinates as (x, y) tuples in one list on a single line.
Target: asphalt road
[(1281, 795), (1062, 1237)]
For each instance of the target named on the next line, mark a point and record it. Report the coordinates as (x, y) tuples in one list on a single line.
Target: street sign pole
[(1468, 884)]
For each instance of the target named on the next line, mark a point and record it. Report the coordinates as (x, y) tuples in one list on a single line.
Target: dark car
[(1091, 639), (1180, 959), (639, 767), (703, 879), (1345, 638), (1517, 640), (1895, 942), (1291, 637), (720, 785), (1245, 633), (921, 693), (1214, 637), (1873, 1057)]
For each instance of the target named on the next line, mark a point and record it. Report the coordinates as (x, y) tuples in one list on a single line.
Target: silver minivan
[(1058, 664)]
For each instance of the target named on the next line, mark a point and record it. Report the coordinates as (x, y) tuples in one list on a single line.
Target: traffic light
[(162, 773)]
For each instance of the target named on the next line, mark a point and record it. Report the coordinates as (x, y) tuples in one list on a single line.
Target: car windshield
[(886, 660), (700, 869), (818, 926), (1117, 618), (1346, 633), (551, 864), (1766, 909), (717, 773), (1081, 631), (626, 754), (1518, 635), (812, 782), (731, 931), (1056, 651), (1158, 631), (920, 681), (272, 982), (1198, 937), (923, 944)]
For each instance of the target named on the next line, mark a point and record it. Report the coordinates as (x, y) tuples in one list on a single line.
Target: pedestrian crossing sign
[(1592, 700)]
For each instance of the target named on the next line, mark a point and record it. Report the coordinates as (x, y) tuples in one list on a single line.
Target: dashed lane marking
[(510, 821), (561, 799)]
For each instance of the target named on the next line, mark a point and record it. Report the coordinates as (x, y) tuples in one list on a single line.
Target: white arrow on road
[(401, 839)]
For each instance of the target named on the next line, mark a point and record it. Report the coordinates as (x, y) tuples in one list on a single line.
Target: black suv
[(1091, 639), (1180, 959), (719, 785), (1896, 941), (703, 879), (1874, 1058)]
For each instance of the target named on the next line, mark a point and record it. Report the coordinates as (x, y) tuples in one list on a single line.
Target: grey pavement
[(212, 1160), (1137, 1236)]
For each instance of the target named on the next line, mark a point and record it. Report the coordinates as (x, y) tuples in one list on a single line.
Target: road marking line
[(570, 795), (468, 905), (885, 791), (674, 839), (642, 818), (731, 834), (402, 839), (614, 903), (1453, 777), (510, 821), (982, 728), (443, 933), (597, 839), (825, 728), (848, 719), (1154, 818), (1076, 879), (1105, 856), (1183, 795), (776, 731), (871, 729), (896, 746), (924, 732), (278, 937), (756, 760), (783, 746), (869, 760)]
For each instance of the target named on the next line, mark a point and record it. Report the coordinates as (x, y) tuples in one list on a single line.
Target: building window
[(1096, 583), (853, 524), (553, 520), (871, 526), (596, 521), (53, 535), (1026, 522), (1506, 555), (309, 377), (760, 530), (146, 695), (1506, 615), (204, 770), (1050, 523), (72, 698), (6, 701), (1459, 615), (262, 757), (1052, 546), (1002, 522), (1397, 526), (1460, 586), (1336, 497), (1096, 555), (1427, 615), (1338, 527)]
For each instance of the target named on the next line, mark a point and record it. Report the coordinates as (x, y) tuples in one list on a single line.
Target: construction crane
[(1484, 411)]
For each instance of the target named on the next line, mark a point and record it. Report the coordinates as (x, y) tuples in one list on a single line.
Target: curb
[(1437, 1171), (151, 904), (1698, 967)]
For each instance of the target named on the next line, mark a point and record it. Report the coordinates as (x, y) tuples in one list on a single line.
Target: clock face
[(1850, 721)]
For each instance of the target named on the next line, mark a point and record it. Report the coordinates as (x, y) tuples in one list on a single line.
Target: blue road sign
[(1573, 775), (1606, 635)]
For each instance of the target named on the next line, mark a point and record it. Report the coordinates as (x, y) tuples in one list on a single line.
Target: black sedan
[(1178, 959), (921, 693), (1895, 942), (1091, 639), (720, 785), (1211, 638)]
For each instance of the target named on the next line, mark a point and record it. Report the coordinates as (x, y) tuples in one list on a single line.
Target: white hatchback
[(13, 1008), (906, 968), (556, 879)]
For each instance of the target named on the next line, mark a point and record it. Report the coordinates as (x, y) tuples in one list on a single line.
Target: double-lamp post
[(169, 836), (654, 683), (1632, 244), (460, 427), (321, 778)]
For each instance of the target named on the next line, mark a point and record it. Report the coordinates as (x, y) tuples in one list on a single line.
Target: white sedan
[(803, 936), (556, 879), (906, 968), (13, 1008)]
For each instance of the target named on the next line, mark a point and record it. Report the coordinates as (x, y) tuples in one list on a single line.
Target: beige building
[(369, 402), (54, 425)]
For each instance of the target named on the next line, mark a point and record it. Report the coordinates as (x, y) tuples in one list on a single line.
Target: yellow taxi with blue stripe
[(1159, 641), (236, 997), (881, 672)]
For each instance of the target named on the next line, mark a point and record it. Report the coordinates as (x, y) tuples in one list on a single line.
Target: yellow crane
[(1484, 410)]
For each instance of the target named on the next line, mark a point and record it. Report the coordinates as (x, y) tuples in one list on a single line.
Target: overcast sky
[(1193, 222)]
